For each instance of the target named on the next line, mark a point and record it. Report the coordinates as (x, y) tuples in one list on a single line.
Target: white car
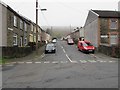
[(54, 41), (50, 48)]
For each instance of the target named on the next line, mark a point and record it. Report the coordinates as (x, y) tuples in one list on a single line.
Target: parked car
[(54, 40), (86, 46), (70, 41), (50, 48)]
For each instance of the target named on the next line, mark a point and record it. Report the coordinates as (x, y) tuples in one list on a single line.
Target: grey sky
[(61, 12)]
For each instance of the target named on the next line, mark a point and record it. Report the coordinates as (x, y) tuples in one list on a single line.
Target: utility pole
[(36, 26)]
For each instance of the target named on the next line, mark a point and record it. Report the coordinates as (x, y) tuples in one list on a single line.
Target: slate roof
[(107, 14)]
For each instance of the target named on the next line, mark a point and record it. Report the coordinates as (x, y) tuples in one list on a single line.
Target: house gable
[(91, 17)]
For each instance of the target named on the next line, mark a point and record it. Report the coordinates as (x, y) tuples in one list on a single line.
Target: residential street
[(67, 68)]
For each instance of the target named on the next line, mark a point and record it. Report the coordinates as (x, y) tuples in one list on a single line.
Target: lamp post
[(37, 25)]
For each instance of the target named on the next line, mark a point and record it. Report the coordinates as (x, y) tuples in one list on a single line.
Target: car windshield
[(87, 44), (70, 40), (49, 46)]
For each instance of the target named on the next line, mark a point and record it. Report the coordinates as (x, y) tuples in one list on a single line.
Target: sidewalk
[(29, 57), (103, 56)]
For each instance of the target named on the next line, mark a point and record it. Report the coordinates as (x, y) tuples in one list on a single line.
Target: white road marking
[(29, 62), (37, 62), (92, 61), (111, 61), (68, 58), (83, 61), (47, 62), (55, 62), (13, 62), (74, 62), (64, 51)]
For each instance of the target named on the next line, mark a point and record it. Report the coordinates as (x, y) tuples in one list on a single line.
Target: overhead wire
[(67, 6)]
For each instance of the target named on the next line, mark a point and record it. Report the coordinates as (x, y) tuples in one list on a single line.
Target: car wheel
[(54, 51), (93, 52), (45, 52)]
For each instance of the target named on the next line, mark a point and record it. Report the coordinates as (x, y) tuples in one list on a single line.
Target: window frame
[(15, 42), (15, 21), (25, 26), (25, 41), (21, 24), (115, 23)]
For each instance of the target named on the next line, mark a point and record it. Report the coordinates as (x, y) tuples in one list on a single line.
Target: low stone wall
[(12, 52), (113, 51), (17, 52)]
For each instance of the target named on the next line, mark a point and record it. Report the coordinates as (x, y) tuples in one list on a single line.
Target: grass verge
[(3, 61)]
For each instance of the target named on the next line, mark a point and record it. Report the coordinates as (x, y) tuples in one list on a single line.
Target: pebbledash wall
[(17, 32)]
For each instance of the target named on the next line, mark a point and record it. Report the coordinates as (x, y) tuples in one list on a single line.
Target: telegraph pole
[(36, 26)]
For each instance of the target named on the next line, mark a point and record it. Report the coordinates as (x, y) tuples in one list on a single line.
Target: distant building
[(81, 32)]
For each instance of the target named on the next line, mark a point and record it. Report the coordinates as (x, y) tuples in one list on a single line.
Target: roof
[(107, 13), (2, 3)]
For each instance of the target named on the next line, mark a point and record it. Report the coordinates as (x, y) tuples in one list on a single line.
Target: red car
[(70, 41), (86, 46)]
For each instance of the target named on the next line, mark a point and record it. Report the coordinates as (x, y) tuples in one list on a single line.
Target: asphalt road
[(67, 68)]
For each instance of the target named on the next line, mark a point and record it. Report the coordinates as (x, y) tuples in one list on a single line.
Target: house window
[(25, 26), (21, 41), (21, 24), (34, 29), (38, 37), (113, 39), (10, 20), (104, 39), (15, 39), (15, 21), (31, 37), (25, 41), (113, 23), (31, 27)]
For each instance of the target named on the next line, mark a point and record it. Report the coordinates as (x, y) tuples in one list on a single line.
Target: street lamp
[(37, 25)]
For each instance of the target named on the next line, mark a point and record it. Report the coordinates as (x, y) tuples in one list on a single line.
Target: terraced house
[(102, 29), (17, 30)]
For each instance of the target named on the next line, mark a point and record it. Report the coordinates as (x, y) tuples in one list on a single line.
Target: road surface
[(67, 68)]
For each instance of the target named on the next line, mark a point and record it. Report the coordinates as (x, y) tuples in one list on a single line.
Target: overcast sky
[(61, 12)]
